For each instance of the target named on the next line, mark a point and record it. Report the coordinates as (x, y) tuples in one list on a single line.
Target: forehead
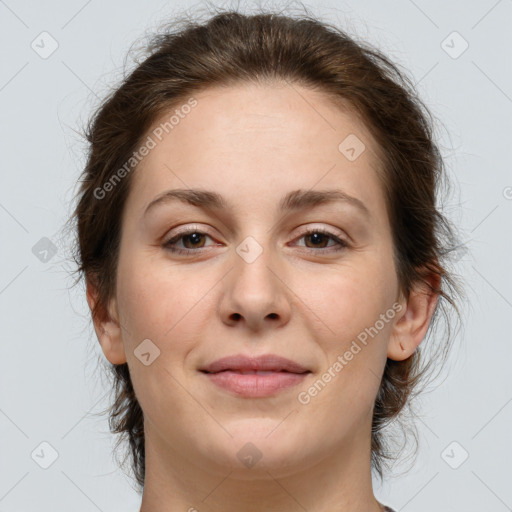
[(250, 142)]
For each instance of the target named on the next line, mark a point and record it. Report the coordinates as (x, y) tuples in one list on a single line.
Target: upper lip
[(267, 362)]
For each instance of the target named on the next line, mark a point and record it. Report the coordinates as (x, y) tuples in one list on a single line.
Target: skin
[(253, 144)]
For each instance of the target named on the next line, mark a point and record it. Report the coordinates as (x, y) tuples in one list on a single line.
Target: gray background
[(51, 388)]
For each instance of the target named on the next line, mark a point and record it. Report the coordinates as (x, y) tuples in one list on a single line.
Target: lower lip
[(256, 385)]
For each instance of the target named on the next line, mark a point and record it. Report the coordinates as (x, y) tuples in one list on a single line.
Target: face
[(311, 280)]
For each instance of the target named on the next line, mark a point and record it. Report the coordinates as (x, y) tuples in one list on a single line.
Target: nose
[(255, 292)]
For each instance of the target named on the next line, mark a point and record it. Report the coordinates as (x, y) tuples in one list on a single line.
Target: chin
[(258, 450)]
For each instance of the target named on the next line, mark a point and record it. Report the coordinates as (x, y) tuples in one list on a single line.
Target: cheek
[(161, 301), (349, 298), (355, 306)]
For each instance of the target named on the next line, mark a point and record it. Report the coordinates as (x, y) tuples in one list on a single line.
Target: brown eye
[(319, 238), (190, 240), (193, 238)]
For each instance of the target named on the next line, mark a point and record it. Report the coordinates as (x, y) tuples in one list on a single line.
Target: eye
[(319, 236), (192, 239)]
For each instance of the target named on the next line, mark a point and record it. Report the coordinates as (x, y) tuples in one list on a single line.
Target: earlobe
[(107, 327), (411, 327)]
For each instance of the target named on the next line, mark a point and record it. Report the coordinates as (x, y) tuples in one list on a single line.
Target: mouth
[(263, 363), (257, 377), (254, 372)]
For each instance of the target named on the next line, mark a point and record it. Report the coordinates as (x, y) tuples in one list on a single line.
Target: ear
[(411, 327), (107, 326)]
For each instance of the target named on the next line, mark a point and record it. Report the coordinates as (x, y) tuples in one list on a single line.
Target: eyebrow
[(296, 200)]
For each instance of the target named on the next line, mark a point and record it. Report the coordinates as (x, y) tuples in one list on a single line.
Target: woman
[(258, 232)]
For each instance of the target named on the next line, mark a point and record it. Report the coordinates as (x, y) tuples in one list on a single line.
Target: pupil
[(196, 237), (317, 238)]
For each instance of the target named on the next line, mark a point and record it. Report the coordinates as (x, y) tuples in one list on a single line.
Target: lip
[(255, 377), (266, 362)]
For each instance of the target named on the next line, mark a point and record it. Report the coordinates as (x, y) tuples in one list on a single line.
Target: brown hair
[(230, 48)]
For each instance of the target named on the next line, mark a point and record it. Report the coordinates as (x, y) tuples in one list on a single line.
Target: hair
[(230, 48)]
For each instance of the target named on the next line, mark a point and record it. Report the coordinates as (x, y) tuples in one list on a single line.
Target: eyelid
[(187, 229), (308, 228)]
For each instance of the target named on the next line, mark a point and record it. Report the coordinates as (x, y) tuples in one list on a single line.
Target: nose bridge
[(252, 261), (254, 293)]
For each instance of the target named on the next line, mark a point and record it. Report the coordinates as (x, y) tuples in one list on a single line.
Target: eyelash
[(167, 245)]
